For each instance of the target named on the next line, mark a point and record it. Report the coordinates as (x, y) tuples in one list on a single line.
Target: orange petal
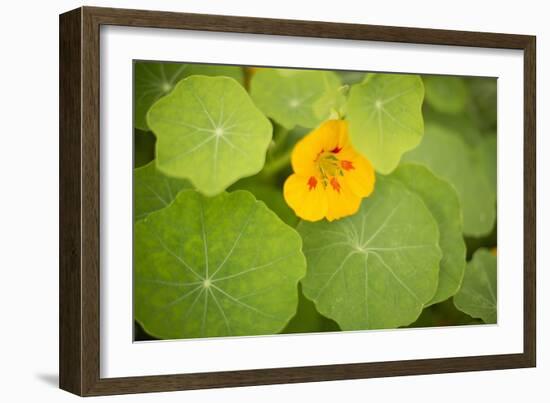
[(306, 196), (342, 201)]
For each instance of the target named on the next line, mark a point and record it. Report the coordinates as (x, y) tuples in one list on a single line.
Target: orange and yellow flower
[(330, 178)]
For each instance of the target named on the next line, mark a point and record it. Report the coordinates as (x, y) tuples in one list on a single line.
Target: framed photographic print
[(251, 201)]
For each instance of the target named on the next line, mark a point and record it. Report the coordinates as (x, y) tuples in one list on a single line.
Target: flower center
[(329, 166)]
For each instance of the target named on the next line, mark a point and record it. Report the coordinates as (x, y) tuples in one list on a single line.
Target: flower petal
[(359, 177), (331, 135), (303, 156), (306, 197), (341, 202)]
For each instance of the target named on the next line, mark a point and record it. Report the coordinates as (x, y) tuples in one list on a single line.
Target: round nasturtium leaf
[(378, 268), (209, 131), (215, 266), (385, 117), (153, 190), (442, 201), (478, 294), (484, 97), (153, 80), (271, 195), (443, 314), (296, 97), (461, 124), (308, 319), (447, 155), (446, 94), (486, 151)]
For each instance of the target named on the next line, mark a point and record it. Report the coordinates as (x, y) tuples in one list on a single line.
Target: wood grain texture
[(530, 202), (70, 270), (90, 201), (80, 200)]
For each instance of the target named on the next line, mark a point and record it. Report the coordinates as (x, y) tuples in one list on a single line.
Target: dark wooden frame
[(79, 200)]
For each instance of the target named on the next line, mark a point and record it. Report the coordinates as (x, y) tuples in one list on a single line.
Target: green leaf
[(385, 117), (140, 334), (220, 266), (378, 268), (478, 295), (449, 157), (351, 77), (308, 319), (154, 80), (446, 94), (477, 117), (462, 124), (153, 190), (296, 97), (444, 314), (442, 201), (331, 103), (486, 152), (270, 195), (209, 131), (484, 97)]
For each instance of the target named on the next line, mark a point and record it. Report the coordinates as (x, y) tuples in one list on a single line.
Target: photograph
[(276, 200), (250, 200)]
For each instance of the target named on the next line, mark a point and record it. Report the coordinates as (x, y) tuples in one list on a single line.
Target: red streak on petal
[(312, 182), (336, 150), (334, 183), (347, 165)]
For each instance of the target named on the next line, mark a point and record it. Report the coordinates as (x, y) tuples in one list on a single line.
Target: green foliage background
[(217, 251)]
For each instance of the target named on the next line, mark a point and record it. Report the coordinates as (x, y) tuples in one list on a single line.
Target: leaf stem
[(276, 164), (280, 139)]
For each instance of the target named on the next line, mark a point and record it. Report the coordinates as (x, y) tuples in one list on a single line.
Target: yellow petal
[(330, 135), (341, 203), (359, 175), (306, 196), (303, 156)]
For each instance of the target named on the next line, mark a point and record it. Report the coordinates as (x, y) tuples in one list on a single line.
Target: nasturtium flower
[(330, 178)]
